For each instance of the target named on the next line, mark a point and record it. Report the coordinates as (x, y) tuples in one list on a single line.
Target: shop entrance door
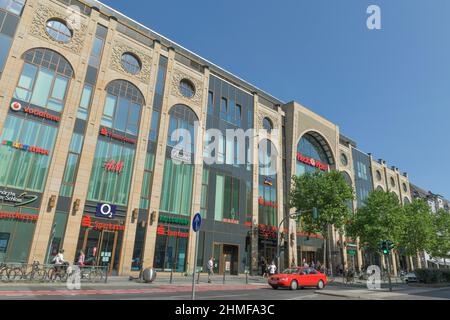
[(100, 248), (228, 258)]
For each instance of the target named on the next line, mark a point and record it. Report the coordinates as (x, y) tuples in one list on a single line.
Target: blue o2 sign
[(105, 210), (196, 222)]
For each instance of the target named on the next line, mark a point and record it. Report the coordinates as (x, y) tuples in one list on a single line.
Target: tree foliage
[(381, 218), (417, 231), (326, 191), (441, 242)]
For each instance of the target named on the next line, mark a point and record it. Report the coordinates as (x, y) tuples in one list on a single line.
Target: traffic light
[(386, 246)]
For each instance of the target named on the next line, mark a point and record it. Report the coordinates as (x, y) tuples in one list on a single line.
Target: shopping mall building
[(89, 100)]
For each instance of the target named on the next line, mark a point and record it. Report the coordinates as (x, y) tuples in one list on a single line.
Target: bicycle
[(59, 271), (36, 272), (4, 271)]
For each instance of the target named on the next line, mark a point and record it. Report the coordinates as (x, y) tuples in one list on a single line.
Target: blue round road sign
[(196, 222)]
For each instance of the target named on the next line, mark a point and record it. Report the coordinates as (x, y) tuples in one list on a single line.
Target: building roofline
[(169, 43)]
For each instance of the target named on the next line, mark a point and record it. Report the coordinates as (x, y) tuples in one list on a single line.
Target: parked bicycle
[(36, 273)]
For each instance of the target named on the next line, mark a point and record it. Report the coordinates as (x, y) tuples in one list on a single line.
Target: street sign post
[(196, 224)]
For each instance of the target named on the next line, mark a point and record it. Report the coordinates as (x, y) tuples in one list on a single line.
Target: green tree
[(379, 219), (326, 191), (440, 247), (417, 230)]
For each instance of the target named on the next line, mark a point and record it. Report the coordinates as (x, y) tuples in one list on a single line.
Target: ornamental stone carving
[(38, 27), (262, 114), (119, 49), (196, 99)]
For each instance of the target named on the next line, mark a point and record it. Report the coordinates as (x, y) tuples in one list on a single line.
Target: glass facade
[(176, 196), (310, 147), (363, 176), (10, 12)]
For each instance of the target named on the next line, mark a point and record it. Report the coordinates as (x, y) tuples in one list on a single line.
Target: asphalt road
[(255, 294)]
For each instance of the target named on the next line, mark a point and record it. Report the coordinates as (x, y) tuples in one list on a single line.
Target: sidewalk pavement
[(382, 294), (161, 281)]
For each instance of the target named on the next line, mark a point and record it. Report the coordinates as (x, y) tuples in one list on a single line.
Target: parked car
[(299, 277), (410, 277)]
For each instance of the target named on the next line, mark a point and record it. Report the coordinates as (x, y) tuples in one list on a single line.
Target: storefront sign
[(114, 166), (173, 220), (19, 216), (231, 221), (25, 147), (17, 200), (267, 203), (105, 210), (88, 223), (105, 132), (311, 162), (16, 106), (303, 234), (163, 231), (267, 232)]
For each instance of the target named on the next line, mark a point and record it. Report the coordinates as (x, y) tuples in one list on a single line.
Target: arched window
[(176, 196), (267, 125), (267, 189), (406, 200), (187, 88), (44, 79), (313, 153), (123, 106)]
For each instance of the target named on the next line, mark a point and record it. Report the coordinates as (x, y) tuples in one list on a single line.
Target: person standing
[(210, 269), (81, 259)]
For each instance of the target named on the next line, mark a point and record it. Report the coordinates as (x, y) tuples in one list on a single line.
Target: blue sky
[(387, 89)]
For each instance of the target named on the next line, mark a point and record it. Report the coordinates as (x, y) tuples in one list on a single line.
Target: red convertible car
[(299, 277)]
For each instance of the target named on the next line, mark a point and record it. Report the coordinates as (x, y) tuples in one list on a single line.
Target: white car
[(410, 277)]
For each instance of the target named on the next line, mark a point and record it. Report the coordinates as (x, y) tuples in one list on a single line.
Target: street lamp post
[(292, 216)]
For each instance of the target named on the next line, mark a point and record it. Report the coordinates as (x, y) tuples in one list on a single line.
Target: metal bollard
[(246, 277), (198, 278), (224, 277), (171, 276)]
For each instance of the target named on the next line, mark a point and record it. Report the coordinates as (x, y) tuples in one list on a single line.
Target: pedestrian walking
[(210, 269), (272, 269)]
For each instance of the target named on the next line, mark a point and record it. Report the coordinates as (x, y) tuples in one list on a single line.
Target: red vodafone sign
[(312, 162), (16, 106)]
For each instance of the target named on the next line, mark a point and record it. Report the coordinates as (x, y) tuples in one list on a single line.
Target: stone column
[(129, 236), (255, 191), (198, 171), (44, 225), (160, 156)]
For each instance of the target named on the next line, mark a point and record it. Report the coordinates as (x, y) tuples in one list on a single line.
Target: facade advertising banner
[(17, 200)]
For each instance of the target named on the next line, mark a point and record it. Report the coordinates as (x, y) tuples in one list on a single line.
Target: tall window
[(147, 180), (122, 107), (110, 185), (178, 177), (68, 182), (227, 199), (20, 167), (204, 199), (310, 146), (44, 79)]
